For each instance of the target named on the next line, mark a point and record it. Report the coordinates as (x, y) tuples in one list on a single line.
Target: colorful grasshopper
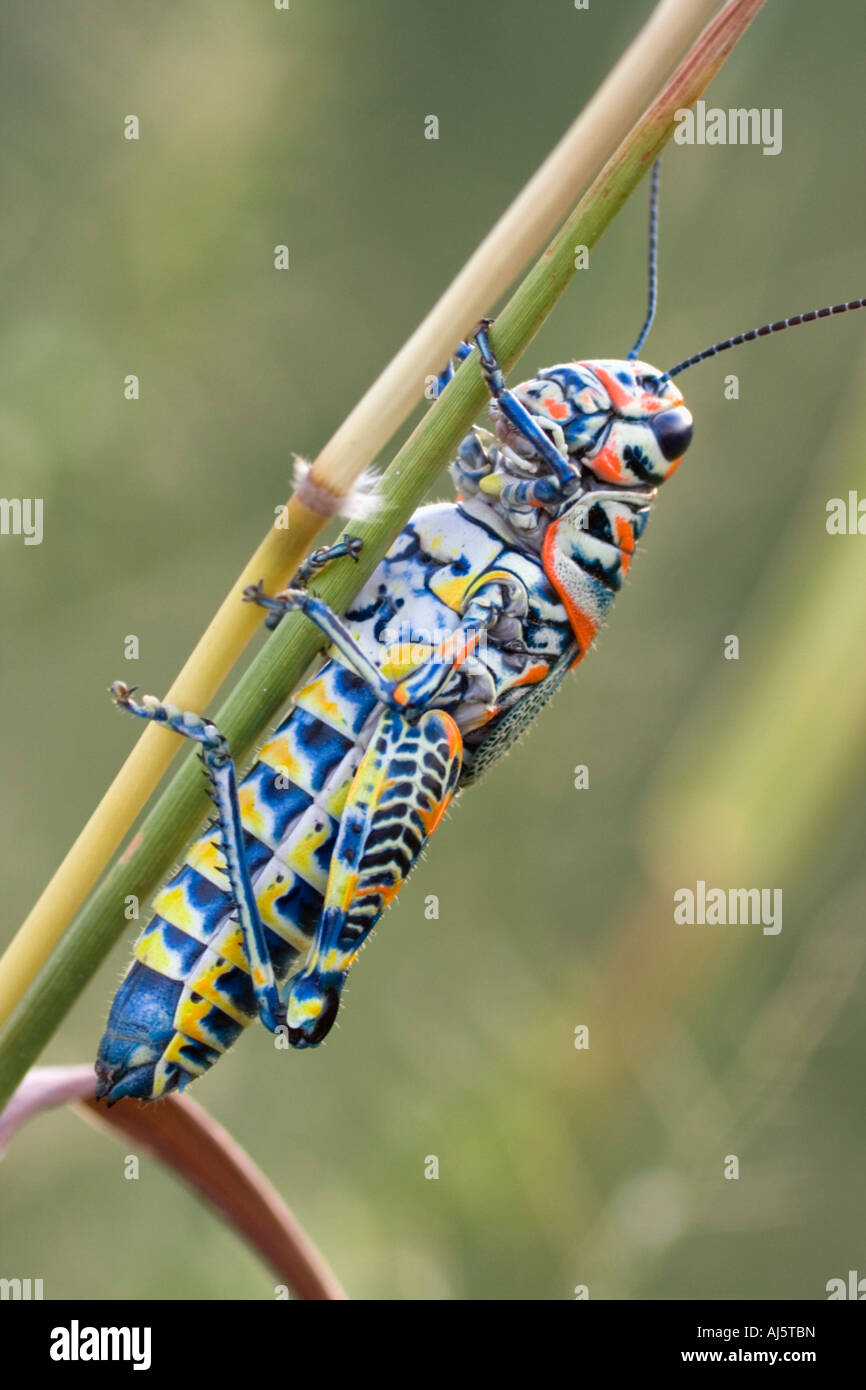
[(463, 632)]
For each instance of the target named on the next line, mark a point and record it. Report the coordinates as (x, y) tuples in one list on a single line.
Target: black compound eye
[(673, 430)]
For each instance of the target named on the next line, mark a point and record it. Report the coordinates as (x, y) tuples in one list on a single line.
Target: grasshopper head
[(622, 420)]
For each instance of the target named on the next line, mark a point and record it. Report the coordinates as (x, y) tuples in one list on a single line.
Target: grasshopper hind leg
[(397, 798)]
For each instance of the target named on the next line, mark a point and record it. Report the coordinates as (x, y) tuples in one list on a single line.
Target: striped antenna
[(763, 332), (653, 261)]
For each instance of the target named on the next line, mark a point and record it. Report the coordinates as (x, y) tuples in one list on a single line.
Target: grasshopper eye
[(648, 383), (673, 430)]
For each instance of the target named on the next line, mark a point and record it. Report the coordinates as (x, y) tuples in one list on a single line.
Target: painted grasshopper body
[(463, 632)]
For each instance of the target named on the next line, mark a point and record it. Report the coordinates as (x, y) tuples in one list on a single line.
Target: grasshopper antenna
[(652, 296), (764, 332)]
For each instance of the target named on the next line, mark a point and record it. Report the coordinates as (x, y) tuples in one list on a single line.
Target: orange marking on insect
[(584, 627), (457, 651), (620, 396), (625, 539), (452, 733), (430, 819), (607, 464), (624, 534), (558, 409), (347, 896), (582, 624), (535, 674), (387, 892)]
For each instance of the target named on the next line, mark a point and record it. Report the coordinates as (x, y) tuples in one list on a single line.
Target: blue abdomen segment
[(188, 993)]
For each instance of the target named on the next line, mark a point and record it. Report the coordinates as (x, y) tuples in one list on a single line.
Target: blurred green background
[(558, 1167)]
